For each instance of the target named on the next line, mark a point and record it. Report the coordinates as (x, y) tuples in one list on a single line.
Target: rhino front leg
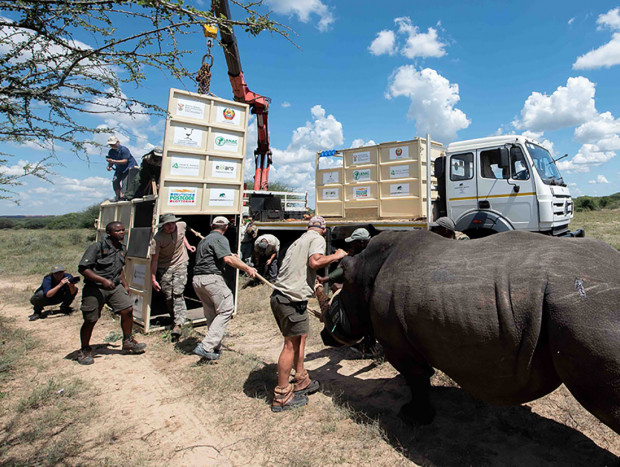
[(417, 374)]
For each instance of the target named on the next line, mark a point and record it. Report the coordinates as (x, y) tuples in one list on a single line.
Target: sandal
[(304, 386), (286, 399)]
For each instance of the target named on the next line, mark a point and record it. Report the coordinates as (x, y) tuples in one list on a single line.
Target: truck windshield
[(544, 165)]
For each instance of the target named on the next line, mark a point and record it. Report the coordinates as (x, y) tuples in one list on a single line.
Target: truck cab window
[(518, 164), (462, 167), (489, 165)]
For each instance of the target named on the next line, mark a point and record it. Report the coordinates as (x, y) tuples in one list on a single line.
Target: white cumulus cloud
[(384, 43), (304, 9), (419, 44), (599, 179), (416, 43), (590, 155), (608, 54), (433, 100), (568, 106)]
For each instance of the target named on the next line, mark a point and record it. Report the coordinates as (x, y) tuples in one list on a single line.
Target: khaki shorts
[(93, 299), (292, 317)]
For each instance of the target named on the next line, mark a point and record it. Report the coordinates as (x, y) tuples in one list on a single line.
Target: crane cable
[(204, 73)]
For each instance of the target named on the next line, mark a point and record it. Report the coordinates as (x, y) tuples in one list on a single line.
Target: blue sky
[(368, 74)]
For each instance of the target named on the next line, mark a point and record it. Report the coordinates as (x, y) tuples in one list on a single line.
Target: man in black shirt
[(212, 256), (104, 282)]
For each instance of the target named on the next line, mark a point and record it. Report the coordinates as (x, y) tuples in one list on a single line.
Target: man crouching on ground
[(212, 256), (294, 287), (104, 283)]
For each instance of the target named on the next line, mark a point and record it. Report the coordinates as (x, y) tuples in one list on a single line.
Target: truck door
[(461, 194), (507, 187)]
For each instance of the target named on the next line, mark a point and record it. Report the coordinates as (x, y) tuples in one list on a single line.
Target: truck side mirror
[(439, 167), (504, 158)]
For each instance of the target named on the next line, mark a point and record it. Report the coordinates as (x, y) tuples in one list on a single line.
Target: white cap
[(112, 139), (220, 220)]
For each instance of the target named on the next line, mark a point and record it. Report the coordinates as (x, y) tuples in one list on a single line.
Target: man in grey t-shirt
[(212, 256), (293, 288)]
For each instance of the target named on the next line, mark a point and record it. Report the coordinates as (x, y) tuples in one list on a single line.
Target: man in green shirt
[(293, 288), (212, 256)]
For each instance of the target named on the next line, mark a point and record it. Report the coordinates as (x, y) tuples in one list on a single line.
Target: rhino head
[(360, 272)]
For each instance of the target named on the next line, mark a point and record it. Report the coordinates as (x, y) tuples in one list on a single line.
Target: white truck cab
[(501, 183)]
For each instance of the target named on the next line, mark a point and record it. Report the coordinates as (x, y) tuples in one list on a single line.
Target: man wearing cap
[(150, 170), (357, 243), (169, 260), (121, 160), (57, 287), (213, 254), (293, 288), (248, 234), (445, 227), (104, 283), (266, 249)]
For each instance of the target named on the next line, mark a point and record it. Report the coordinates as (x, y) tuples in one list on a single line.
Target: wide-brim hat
[(358, 234), (168, 217), (112, 140), (444, 222)]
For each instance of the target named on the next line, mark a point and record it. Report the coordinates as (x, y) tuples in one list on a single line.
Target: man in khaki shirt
[(293, 288), (169, 260)]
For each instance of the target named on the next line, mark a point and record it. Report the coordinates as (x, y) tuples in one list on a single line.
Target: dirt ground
[(163, 408)]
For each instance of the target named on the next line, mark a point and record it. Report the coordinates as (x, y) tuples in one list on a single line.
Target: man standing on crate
[(212, 256), (104, 283), (293, 288), (120, 159), (169, 260)]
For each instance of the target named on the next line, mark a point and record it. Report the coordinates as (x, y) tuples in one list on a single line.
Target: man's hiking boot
[(304, 386), (286, 399), (85, 357), (175, 334), (35, 316), (200, 350), (132, 346), (66, 310)]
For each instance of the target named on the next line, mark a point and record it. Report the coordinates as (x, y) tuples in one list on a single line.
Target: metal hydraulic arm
[(259, 105)]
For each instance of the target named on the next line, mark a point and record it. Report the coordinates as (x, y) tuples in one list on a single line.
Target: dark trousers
[(39, 300), (269, 272)]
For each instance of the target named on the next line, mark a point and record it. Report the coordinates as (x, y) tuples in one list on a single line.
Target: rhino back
[(474, 309)]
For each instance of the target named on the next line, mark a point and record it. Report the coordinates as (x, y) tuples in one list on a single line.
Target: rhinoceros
[(509, 317)]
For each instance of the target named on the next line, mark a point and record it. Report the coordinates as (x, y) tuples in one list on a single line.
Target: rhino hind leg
[(417, 374)]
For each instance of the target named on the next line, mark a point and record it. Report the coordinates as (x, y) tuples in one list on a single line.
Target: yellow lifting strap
[(210, 31)]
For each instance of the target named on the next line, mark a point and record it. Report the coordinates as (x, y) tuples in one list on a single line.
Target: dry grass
[(603, 225), (25, 252)]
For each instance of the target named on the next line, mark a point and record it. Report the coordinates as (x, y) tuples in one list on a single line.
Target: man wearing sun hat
[(293, 288), (266, 249), (121, 160), (169, 260), (213, 254)]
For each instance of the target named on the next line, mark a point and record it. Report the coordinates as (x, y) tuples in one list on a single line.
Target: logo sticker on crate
[(190, 108), (361, 157), (361, 192), (185, 165), (401, 152), (229, 115), (221, 197), (182, 196), (187, 136), (330, 177), (225, 142), (399, 171), (399, 189), (330, 193), (361, 175)]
